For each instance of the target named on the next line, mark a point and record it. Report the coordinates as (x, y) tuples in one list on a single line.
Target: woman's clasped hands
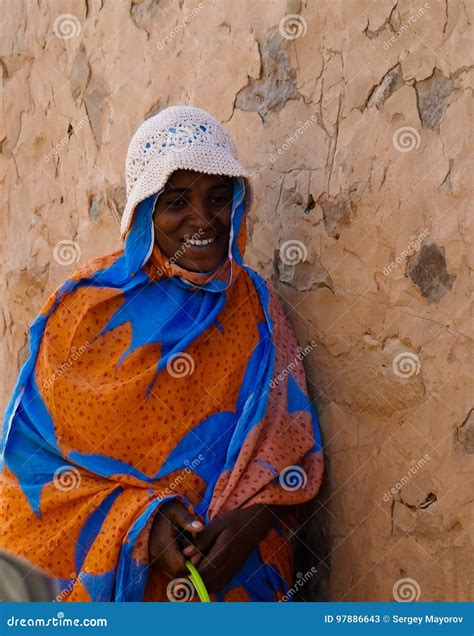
[(218, 550)]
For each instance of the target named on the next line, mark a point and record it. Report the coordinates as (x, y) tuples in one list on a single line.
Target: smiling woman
[(168, 438)]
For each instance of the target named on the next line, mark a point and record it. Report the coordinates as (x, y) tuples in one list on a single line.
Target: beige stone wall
[(354, 117)]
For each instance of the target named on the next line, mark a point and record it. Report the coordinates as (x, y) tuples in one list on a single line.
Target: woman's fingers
[(192, 553), (208, 536), (179, 516), (171, 520), (195, 559), (203, 542), (190, 549), (174, 560)]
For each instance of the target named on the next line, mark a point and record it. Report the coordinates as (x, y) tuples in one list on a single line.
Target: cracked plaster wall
[(357, 133)]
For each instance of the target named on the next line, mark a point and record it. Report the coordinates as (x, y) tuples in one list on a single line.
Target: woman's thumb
[(185, 520)]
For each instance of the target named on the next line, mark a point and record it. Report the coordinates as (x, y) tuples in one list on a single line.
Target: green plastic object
[(198, 583)]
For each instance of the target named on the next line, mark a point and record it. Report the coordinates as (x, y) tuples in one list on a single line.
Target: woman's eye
[(222, 200), (176, 203)]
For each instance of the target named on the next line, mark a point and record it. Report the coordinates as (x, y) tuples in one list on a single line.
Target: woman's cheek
[(167, 223), (225, 216)]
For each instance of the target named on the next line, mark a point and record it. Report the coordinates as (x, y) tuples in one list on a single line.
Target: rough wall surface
[(354, 117)]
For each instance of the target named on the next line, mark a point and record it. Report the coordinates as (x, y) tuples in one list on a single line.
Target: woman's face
[(192, 208)]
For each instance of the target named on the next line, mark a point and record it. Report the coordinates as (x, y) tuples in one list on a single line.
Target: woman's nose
[(201, 213)]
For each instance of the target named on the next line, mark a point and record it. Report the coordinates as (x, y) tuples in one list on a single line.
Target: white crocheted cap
[(179, 137)]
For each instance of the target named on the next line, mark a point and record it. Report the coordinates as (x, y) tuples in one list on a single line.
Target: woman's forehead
[(188, 178)]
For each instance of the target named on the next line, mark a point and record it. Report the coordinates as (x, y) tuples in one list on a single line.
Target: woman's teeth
[(201, 242)]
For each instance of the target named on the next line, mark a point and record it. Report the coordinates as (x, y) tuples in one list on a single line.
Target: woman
[(163, 413)]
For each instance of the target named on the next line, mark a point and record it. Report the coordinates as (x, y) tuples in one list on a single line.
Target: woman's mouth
[(201, 242), (200, 245)]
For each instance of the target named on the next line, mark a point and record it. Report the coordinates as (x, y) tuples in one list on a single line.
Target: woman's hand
[(171, 521), (226, 543)]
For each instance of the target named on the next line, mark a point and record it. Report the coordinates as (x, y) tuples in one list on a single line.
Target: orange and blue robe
[(146, 382)]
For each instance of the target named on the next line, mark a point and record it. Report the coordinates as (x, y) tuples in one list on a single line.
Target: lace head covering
[(179, 137)]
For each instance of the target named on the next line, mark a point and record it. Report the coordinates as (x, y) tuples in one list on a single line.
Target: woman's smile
[(200, 242), (198, 247)]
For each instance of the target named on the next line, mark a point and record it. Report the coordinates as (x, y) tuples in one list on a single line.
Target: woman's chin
[(200, 265), (198, 259)]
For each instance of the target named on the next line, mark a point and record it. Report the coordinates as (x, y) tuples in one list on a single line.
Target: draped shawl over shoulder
[(147, 382)]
